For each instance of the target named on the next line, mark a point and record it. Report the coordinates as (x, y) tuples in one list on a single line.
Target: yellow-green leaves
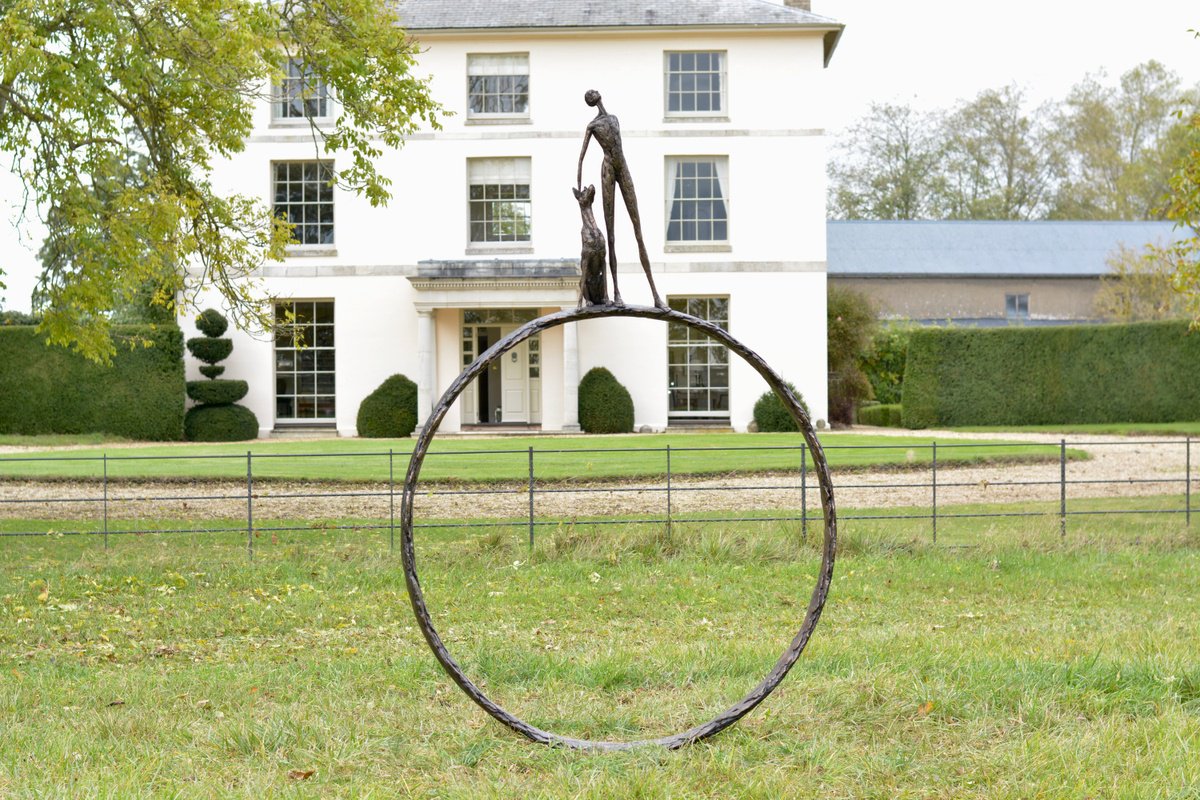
[(115, 113)]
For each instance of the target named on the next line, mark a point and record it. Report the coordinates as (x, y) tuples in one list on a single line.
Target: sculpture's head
[(591, 97), (585, 197)]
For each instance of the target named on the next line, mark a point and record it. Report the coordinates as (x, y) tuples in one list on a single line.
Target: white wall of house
[(772, 269)]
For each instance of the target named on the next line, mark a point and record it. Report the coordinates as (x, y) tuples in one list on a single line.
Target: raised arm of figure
[(587, 138)]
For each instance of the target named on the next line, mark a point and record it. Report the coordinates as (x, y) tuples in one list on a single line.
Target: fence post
[(391, 503), (934, 516), (1188, 478), (249, 507), (804, 493), (1062, 483), (668, 490), (105, 501), (531, 498)]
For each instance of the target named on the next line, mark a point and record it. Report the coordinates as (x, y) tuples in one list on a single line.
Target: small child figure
[(593, 284)]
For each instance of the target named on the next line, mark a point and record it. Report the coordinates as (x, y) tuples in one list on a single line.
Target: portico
[(464, 307)]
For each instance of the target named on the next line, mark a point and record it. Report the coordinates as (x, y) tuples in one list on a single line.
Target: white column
[(570, 375), (426, 366)]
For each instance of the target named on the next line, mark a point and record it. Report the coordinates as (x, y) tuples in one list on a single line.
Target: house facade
[(720, 103), (984, 272)]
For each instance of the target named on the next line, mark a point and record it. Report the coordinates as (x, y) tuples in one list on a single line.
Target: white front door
[(514, 384)]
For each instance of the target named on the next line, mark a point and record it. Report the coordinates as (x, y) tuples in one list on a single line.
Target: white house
[(721, 110)]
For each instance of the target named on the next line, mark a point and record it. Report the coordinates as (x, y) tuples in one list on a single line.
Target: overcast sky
[(924, 53)]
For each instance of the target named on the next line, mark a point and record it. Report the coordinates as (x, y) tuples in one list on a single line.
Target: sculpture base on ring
[(820, 469)]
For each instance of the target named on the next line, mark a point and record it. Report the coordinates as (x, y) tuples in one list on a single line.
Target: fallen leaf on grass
[(116, 703), (925, 708), (301, 774)]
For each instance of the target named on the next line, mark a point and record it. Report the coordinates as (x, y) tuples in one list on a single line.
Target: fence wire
[(91, 492)]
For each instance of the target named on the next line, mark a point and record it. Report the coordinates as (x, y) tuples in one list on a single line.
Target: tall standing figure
[(614, 172)]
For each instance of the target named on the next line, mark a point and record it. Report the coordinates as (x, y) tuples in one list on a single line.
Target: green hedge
[(605, 406), (210, 351), (53, 390), (226, 423), (218, 392), (1143, 372), (390, 411), (883, 415), (771, 417)]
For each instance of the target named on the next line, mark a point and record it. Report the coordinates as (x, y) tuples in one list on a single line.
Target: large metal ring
[(815, 604)]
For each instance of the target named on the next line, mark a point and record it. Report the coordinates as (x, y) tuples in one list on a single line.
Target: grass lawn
[(1166, 429), (1023, 666), (506, 458)]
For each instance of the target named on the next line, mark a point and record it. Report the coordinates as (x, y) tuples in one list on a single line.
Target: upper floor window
[(1016, 306), (499, 205), (698, 189), (304, 197), (497, 85), (695, 84), (300, 93)]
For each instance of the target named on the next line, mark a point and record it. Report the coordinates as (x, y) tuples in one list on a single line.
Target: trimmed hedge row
[(882, 415), (53, 390), (1142, 372)]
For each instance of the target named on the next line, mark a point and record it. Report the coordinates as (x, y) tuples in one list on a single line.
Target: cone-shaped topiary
[(216, 418), (390, 411), (772, 417), (605, 406)]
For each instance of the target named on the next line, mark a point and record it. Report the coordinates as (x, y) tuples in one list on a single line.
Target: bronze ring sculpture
[(828, 550)]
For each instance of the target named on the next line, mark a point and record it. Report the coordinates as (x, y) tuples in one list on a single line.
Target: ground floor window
[(1016, 306), (304, 361), (697, 366), (510, 390)]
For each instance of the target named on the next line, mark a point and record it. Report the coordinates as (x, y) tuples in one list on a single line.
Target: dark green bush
[(52, 390), (883, 415), (217, 393), (216, 419), (771, 417), (226, 423), (851, 325), (211, 323), (210, 351), (1141, 372), (884, 366), (605, 406), (390, 411)]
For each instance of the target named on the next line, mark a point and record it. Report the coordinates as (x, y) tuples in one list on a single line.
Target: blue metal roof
[(918, 248)]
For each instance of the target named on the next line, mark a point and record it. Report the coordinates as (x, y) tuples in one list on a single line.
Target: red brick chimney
[(803, 5)]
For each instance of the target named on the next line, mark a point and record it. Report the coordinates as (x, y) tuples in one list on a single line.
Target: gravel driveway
[(1117, 467)]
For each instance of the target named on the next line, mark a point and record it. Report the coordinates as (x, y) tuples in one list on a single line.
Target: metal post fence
[(1062, 482), (249, 507), (531, 497), (933, 515), (391, 504), (668, 490), (1187, 492), (804, 492), (106, 501)]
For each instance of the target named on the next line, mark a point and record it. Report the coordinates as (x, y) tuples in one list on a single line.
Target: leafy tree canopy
[(1106, 151), (115, 111)]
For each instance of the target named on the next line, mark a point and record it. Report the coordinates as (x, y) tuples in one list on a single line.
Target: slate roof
[(1069, 249), (483, 15)]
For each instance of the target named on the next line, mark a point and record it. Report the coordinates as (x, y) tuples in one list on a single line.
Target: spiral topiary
[(216, 418), (605, 406)]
